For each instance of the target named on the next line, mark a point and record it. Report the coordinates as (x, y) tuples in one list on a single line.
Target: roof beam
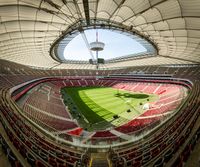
[(55, 66), (117, 9), (86, 10), (19, 38), (96, 8), (152, 6)]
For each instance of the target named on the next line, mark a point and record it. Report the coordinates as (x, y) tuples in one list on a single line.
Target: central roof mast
[(97, 46)]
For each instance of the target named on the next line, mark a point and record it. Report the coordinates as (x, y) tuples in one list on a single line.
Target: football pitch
[(105, 106)]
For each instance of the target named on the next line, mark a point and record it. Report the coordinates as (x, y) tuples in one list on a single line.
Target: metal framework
[(28, 29), (57, 49)]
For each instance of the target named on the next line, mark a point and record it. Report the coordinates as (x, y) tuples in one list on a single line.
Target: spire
[(97, 35)]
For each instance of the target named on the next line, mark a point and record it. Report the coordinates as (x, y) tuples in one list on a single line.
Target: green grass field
[(96, 106)]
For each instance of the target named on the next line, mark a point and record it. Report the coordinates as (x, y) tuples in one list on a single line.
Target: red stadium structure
[(39, 127), (43, 118)]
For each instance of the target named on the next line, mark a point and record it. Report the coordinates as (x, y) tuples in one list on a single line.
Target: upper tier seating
[(30, 144), (170, 145)]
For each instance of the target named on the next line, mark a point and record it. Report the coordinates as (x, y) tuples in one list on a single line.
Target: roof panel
[(169, 9), (152, 15), (177, 23), (125, 12), (137, 6), (173, 25), (192, 23), (8, 2), (190, 8), (107, 6)]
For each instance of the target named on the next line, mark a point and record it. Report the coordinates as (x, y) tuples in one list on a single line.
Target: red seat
[(40, 164), (52, 162)]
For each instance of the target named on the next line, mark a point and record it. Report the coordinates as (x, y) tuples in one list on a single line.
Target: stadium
[(131, 110)]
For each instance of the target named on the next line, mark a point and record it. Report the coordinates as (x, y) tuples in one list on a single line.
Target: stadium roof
[(29, 28)]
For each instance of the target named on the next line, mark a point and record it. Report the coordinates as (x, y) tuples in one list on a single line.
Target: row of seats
[(47, 121), (167, 140), (166, 104), (134, 126), (37, 150), (174, 138), (49, 105), (7, 67)]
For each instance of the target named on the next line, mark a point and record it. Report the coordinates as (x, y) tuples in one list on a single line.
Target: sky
[(116, 45)]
